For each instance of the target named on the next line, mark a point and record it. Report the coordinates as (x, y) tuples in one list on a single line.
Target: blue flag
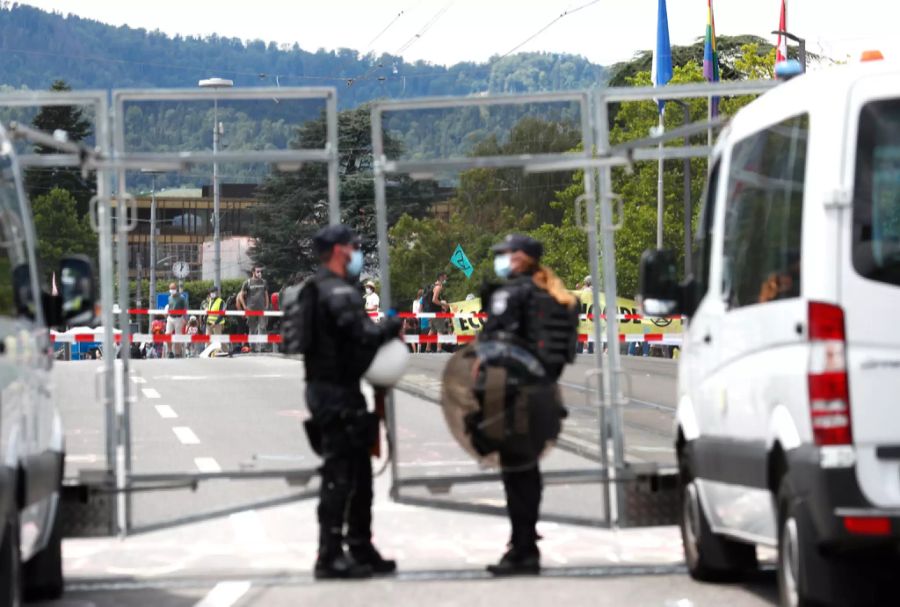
[(661, 71), (459, 260)]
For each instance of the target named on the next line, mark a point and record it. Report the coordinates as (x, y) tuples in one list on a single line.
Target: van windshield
[(876, 206)]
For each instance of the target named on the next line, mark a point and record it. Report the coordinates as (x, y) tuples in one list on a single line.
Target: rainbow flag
[(711, 57)]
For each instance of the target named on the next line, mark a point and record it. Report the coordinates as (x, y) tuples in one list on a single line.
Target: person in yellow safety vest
[(213, 303)]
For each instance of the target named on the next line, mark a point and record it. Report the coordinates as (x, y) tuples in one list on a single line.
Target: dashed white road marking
[(138, 379), (186, 435), (150, 393), (207, 464), (224, 594), (166, 412), (247, 527)]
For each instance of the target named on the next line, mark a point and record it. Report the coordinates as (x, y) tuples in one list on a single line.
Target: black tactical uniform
[(339, 342), (520, 312)]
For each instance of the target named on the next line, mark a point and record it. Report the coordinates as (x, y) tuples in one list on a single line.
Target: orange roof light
[(871, 56)]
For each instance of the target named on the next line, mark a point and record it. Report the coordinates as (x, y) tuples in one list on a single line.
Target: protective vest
[(541, 324), (216, 305)]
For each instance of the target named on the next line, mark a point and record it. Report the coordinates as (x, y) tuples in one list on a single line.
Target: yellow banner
[(467, 326), (625, 307)]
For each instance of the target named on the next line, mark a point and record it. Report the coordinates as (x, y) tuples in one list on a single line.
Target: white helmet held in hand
[(388, 365)]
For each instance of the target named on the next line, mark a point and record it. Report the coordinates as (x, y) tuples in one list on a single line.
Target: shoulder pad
[(338, 296)]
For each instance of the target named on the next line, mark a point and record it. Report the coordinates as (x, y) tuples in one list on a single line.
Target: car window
[(763, 215), (703, 237), (13, 261), (876, 196)]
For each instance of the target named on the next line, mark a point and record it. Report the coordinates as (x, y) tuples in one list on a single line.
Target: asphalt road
[(245, 413)]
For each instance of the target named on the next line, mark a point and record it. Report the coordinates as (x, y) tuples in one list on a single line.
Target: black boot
[(518, 561), (334, 563), (367, 554)]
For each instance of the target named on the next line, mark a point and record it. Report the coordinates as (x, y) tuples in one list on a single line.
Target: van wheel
[(795, 550), (808, 577), (43, 573), (10, 566), (709, 557)]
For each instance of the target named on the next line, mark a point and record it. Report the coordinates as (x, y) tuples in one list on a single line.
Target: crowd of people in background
[(255, 295)]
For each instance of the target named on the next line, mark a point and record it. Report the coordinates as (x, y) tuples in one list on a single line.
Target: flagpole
[(660, 188)]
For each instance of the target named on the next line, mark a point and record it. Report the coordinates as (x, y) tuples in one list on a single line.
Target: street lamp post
[(801, 42), (216, 83), (152, 302)]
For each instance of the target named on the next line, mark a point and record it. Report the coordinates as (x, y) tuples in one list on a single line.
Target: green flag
[(459, 260)]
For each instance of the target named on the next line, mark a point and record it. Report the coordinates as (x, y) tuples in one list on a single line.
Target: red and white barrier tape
[(653, 338), (148, 338), (148, 311), (60, 338)]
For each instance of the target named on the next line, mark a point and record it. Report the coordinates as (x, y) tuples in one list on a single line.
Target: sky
[(450, 31)]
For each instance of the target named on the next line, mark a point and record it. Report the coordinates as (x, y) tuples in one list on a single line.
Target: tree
[(734, 54), (488, 204), (294, 205), (41, 180), (637, 185), (60, 229)]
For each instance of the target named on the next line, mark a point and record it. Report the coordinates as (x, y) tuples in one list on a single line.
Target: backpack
[(553, 328), (428, 304), (297, 325)]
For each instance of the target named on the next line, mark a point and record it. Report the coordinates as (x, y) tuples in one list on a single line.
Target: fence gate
[(470, 153), (162, 137), (473, 144)]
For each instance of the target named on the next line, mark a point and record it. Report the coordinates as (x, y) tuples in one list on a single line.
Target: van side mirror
[(77, 290), (661, 293)]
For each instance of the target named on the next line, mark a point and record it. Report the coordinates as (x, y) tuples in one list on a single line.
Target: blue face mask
[(503, 265), (355, 265)]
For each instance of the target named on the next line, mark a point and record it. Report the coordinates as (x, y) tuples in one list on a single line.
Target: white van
[(788, 422), (31, 434)]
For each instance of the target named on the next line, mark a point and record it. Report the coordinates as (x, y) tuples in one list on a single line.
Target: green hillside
[(39, 47)]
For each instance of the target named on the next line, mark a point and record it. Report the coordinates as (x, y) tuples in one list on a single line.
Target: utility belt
[(340, 422), (358, 431)]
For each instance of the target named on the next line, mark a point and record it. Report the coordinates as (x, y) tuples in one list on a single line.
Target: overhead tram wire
[(415, 38), (371, 44), (563, 14), (386, 28), (418, 36)]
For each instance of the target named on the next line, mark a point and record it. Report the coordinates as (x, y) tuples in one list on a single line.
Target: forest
[(39, 47)]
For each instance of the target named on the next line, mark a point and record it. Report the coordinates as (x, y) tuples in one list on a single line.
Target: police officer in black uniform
[(531, 308), (330, 327)]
